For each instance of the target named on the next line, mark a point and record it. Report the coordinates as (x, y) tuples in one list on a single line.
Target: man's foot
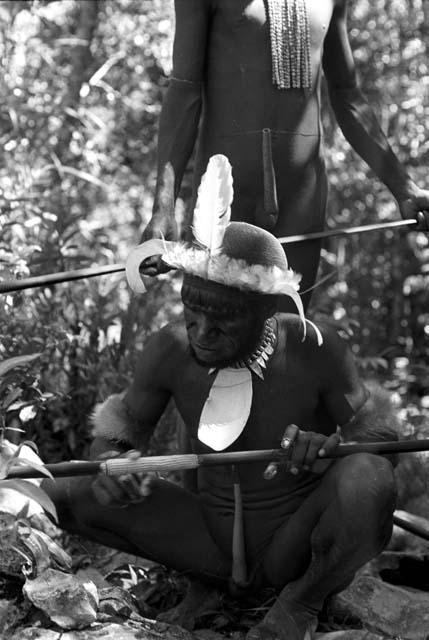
[(285, 621), (199, 600)]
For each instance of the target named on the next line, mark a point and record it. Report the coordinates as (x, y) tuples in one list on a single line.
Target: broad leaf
[(34, 493), (23, 462), (11, 397), (29, 443), (17, 361)]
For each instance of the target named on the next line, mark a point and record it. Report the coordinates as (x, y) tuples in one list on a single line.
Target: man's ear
[(271, 306)]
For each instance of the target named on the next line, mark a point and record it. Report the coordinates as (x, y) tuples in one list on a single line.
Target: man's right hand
[(120, 491)]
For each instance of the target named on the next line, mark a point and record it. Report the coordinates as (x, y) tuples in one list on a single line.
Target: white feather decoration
[(213, 209)]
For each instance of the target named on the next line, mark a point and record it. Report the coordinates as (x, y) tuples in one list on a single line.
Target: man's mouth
[(201, 347)]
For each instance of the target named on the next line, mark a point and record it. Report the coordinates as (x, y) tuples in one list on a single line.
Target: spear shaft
[(347, 231), (55, 278), (164, 464), (92, 272)]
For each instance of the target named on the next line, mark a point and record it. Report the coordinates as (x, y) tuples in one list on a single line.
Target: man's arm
[(363, 411), (123, 424), (358, 122), (180, 113), (126, 421)]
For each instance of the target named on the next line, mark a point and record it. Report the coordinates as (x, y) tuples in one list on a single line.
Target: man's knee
[(365, 477), (70, 497), (366, 489)]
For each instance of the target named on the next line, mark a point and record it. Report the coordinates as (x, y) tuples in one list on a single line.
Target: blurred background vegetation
[(81, 87)]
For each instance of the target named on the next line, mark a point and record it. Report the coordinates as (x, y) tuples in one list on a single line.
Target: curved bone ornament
[(227, 408)]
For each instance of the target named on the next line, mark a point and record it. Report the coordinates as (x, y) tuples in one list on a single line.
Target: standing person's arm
[(358, 122), (180, 113)]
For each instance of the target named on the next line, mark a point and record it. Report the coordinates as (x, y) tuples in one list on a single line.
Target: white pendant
[(227, 408)]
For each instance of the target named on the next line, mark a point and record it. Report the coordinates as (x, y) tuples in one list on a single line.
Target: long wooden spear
[(92, 272), (164, 464), (347, 231), (55, 278)]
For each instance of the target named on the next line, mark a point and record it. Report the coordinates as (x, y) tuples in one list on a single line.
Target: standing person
[(248, 72), (243, 378)]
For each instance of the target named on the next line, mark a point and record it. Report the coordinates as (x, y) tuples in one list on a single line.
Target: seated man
[(243, 378)]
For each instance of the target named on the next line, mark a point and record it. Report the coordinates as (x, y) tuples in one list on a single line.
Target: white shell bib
[(227, 408)]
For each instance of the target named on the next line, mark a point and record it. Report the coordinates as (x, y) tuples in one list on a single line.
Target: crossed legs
[(344, 523), (341, 525), (168, 526)]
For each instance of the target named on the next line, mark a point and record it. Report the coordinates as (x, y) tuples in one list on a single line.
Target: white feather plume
[(213, 209)]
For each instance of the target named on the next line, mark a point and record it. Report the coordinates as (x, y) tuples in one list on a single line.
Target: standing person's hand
[(415, 205), (153, 266)]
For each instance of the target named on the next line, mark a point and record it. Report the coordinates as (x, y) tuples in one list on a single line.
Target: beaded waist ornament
[(290, 43)]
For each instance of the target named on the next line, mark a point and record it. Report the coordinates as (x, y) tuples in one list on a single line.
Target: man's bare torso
[(288, 394), (240, 95), (240, 101)]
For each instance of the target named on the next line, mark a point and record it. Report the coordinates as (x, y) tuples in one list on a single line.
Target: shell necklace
[(290, 43)]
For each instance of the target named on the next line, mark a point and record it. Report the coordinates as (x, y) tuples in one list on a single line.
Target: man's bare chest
[(280, 398), (249, 17)]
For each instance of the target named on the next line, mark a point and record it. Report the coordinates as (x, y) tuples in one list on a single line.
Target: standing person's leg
[(167, 526), (302, 187), (344, 523), (303, 258)]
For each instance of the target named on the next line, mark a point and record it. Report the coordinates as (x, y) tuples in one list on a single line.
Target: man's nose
[(205, 330)]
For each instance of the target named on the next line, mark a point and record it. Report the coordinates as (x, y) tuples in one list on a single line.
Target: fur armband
[(376, 420), (111, 420)]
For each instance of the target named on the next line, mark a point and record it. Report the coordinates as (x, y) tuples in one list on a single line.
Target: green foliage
[(80, 99), (75, 183), (13, 385)]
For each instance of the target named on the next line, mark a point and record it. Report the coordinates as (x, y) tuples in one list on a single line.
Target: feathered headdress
[(235, 254)]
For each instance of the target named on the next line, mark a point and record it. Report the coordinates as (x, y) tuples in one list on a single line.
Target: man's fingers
[(109, 489), (299, 453), (289, 436), (270, 471), (115, 491), (130, 485), (133, 454), (108, 454), (101, 494), (287, 441), (313, 452), (146, 485), (330, 443)]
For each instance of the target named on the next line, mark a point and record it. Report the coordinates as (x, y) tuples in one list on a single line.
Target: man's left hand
[(305, 450)]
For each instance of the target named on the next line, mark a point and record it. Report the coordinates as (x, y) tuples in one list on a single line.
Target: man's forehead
[(217, 313), (214, 297)]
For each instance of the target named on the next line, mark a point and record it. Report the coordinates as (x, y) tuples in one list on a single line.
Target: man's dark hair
[(218, 299)]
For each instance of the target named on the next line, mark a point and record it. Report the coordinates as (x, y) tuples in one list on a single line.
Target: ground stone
[(384, 608), (349, 634), (145, 630)]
